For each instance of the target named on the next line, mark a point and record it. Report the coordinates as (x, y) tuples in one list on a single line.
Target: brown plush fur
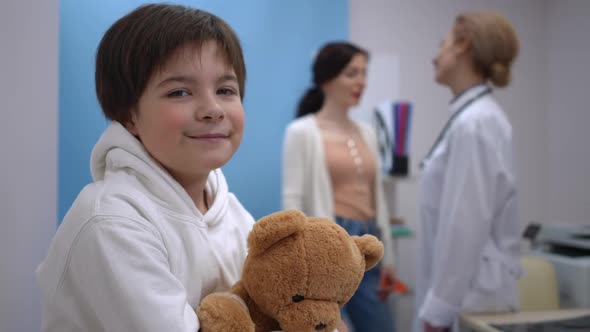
[(298, 273)]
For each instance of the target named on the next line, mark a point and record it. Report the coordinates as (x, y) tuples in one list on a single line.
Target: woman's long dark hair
[(330, 61)]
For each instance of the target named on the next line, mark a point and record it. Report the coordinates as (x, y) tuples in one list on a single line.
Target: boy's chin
[(218, 162)]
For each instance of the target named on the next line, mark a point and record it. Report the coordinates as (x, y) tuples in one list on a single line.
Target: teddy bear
[(298, 273)]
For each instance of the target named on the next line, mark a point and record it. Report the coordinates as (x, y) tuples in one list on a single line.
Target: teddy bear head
[(301, 270)]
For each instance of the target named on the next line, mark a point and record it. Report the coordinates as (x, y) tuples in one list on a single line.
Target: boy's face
[(190, 117)]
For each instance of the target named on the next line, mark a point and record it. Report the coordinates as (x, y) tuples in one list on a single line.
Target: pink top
[(352, 172)]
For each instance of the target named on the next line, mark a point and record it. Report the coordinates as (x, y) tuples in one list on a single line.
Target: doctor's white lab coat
[(468, 257)]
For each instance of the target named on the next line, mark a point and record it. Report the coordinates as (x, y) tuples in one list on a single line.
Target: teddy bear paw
[(224, 312)]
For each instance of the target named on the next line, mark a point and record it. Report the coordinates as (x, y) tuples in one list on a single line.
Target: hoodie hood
[(118, 150)]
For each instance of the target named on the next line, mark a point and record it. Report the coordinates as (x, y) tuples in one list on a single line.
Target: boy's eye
[(226, 91), (178, 93)]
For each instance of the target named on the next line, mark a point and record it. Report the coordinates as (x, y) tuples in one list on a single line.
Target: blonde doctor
[(469, 244)]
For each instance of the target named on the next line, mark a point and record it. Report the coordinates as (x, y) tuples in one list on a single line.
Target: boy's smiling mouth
[(209, 136)]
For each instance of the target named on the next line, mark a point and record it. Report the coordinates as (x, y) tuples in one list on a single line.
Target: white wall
[(569, 114), (28, 149), (412, 31)]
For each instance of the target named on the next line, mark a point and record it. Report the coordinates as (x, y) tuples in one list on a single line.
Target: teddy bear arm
[(224, 312), (263, 322)]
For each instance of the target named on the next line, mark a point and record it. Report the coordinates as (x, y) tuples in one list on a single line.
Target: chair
[(538, 286)]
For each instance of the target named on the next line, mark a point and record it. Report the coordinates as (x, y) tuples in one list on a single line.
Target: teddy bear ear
[(371, 248), (271, 229)]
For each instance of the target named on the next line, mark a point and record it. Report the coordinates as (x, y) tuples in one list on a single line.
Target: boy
[(157, 230)]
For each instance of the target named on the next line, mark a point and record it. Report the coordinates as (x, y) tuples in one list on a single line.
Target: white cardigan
[(306, 182)]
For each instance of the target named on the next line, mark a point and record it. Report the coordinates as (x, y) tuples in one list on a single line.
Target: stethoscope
[(442, 134)]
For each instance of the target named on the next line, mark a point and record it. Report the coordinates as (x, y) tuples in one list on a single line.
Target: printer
[(568, 248)]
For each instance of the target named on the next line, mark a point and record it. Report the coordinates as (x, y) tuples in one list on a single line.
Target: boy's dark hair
[(141, 42), (331, 60)]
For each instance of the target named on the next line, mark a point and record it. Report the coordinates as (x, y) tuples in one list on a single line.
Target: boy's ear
[(273, 228), (130, 124)]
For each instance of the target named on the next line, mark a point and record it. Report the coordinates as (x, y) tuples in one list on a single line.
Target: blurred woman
[(330, 169)]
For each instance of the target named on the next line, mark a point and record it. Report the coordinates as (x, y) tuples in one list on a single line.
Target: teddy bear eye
[(298, 298)]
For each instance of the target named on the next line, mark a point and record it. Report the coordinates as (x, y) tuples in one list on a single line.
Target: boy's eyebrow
[(227, 77), (178, 78), (190, 80)]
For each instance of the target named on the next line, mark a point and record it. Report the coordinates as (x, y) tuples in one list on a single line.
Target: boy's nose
[(210, 110), (212, 114)]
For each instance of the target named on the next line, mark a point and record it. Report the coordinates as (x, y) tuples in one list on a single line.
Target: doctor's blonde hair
[(493, 43)]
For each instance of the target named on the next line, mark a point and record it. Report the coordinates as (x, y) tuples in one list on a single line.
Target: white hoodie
[(133, 252)]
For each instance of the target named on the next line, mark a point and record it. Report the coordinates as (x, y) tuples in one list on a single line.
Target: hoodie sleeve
[(118, 272)]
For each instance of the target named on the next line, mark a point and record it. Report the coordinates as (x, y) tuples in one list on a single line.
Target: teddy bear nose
[(320, 326)]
